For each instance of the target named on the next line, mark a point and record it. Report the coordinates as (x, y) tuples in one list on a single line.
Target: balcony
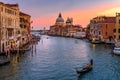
[(11, 37)]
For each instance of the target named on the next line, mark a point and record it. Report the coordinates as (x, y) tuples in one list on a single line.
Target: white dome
[(59, 19)]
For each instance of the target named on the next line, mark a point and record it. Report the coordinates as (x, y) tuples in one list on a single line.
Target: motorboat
[(116, 51), (96, 41)]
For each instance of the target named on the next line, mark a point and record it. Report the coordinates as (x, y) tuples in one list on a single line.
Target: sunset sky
[(45, 12)]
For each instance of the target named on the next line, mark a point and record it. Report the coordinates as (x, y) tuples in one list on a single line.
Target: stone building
[(9, 24), (117, 26), (25, 27), (14, 25), (62, 28), (102, 27)]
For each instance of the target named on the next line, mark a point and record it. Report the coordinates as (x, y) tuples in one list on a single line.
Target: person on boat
[(89, 65), (91, 61)]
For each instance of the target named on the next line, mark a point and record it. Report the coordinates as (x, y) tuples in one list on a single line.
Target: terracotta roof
[(109, 20), (105, 19), (21, 13), (12, 5), (79, 26), (1, 3), (9, 4)]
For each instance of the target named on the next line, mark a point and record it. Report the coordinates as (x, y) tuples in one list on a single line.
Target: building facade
[(9, 23), (62, 28), (10, 26), (117, 26), (25, 27), (102, 27)]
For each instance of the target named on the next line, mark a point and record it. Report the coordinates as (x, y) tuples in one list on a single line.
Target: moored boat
[(96, 41), (109, 42), (116, 51), (4, 60)]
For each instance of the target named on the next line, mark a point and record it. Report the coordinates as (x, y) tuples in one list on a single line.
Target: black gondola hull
[(83, 71)]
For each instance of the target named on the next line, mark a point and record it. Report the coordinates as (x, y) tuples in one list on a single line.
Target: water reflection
[(55, 58)]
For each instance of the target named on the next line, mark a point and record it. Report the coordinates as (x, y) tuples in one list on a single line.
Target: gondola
[(4, 60), (86, 68)]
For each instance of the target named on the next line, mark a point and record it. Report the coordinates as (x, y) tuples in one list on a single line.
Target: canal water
[(55, 58)]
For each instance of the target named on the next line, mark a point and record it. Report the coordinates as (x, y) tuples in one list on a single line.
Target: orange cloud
[(43, 21), (80, 16), (110, 12)]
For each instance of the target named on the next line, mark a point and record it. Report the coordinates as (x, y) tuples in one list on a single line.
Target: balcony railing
[(11, 37)]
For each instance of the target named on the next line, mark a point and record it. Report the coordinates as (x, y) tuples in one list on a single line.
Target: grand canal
[(55, 58)]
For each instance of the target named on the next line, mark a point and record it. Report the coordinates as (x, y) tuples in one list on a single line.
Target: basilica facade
[(64, 28)]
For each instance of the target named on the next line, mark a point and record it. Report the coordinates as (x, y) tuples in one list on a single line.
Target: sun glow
[(110, 12)]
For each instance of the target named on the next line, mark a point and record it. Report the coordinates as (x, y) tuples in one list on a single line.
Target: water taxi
[(116, 51), (96, 41)]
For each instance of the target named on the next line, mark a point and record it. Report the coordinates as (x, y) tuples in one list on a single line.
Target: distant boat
[(86, 68), (109, 42), (96, 41), (116, 51), (28, 49)]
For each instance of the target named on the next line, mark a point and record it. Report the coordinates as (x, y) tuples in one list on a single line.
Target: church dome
[(59, 19), (69, 20)]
